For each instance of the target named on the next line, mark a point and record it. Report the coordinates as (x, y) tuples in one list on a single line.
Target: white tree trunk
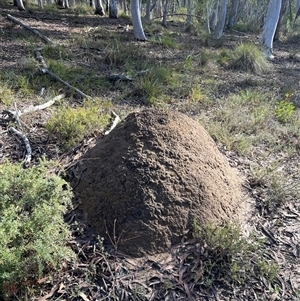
[(20, 5), (99, 10), (113, 8), (214, 17), (136, 21), (221, 19), (269, 27)]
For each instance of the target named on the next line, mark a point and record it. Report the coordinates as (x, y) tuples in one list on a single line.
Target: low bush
[(32, 229), (71, 125)]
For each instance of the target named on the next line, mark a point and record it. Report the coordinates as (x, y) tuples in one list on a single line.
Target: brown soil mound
[(153, 175)]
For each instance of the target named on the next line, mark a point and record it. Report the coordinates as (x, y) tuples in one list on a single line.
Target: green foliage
[(246, 27), (32, 230), (226, 256), (119, 54), (150, 87), (166, 40), (70, 125), (284, 109), (249, 57), (56, 52), (6, 94), (241, 120)]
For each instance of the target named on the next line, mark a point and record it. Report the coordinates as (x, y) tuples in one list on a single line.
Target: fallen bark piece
[(35, 31)]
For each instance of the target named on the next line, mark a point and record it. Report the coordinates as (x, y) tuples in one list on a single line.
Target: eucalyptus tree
[(221, 19), (165, 12), (189, 12), (113, 8), (20, 5), (136, 21), (269, 27), (233, 12), (99, 10)]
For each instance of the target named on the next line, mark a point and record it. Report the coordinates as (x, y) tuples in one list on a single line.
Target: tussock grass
[(249, 58), (226, 256)]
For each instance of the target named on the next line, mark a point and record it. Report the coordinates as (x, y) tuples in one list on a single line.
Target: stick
[(27, 145), (45, 70), (116, 121), (16, 114), (35, 31)]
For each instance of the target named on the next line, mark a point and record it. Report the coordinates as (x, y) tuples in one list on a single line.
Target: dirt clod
[(145, 183)]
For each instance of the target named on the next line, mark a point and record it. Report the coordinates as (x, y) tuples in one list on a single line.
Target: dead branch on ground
[(17, 113), (44, 69), (35, 31)]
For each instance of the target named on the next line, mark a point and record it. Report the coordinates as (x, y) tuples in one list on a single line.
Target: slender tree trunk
[(124, 6), (113, 8), (136, 21), (189, 13), (221, 19), (99, 10), (269, 27), (297, 9), (164, 20), (283, 11), (40, 4), (207, 25), (20, 5), (214, 17), (148, 10), (233, 13)]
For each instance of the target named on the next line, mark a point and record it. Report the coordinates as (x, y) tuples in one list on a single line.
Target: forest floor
[(92, 48)]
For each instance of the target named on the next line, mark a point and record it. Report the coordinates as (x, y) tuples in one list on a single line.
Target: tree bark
[(20, 5), (221, 19), (283, 11), (148, 11), (233, 13), (189, 12), (113, 9), (269, 27), (99, 10), (165, 13), (136, 21)]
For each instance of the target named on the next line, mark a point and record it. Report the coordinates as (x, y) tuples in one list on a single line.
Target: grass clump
[(6, 94), (71, 125), (33, 232), (151, 87), (225, 256), (249, 58), (242, 120)]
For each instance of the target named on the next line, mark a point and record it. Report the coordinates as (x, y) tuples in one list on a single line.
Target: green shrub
[(32, 229), (249, 57), (284, 109), (70, 125)]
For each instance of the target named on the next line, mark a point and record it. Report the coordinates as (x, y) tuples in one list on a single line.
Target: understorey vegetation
[(248, 104)]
